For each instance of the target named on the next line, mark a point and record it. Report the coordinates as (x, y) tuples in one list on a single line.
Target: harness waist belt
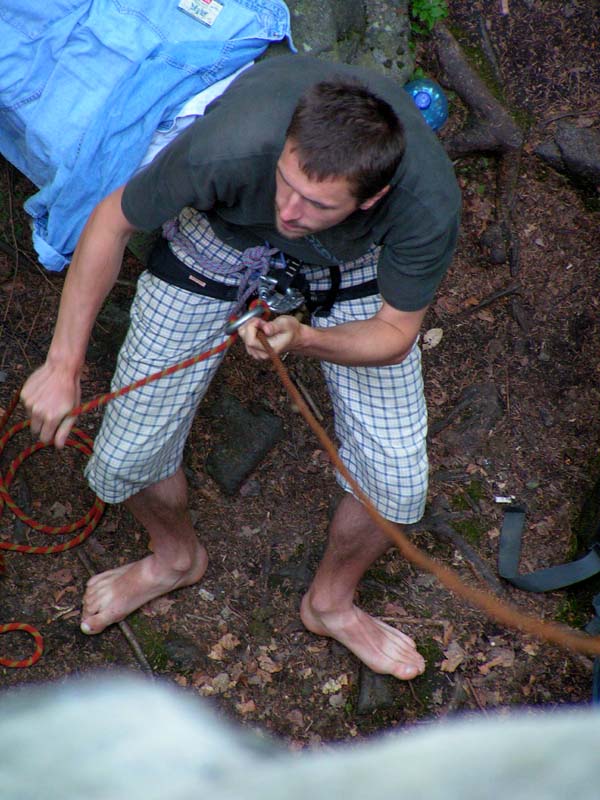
[(164, 264)]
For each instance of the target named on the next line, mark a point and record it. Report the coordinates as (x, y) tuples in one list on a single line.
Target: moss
[(476, 490), (425, 685), (478, 61), (574, 611), (470, 529), (151, 641)]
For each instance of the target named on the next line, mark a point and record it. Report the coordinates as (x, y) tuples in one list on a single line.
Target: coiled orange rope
[(81, 441)]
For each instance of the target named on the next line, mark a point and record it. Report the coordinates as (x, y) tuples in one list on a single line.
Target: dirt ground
[(237, 639)]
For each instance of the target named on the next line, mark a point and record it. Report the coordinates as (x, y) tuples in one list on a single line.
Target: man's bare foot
[(381, 647), (112, 595)]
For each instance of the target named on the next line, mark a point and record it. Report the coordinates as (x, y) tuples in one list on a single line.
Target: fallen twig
[(308, 397), (123, 626), (514, 288)]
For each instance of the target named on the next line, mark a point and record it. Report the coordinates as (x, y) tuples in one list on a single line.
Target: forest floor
[(237, 638)]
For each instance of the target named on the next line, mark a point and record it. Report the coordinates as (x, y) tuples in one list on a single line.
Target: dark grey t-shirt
[(224, 164)]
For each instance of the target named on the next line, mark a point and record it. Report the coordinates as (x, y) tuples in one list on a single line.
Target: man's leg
[(328, 608), (381, 424), (177, 558), (138, 450)]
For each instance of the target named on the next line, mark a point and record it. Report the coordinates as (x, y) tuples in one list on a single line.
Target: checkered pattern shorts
[(380, 413)]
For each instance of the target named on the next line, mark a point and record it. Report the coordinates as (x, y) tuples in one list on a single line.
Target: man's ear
[(372, 200)]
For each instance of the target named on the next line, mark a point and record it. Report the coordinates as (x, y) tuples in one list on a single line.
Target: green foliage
[(573, 611), (425, 13)]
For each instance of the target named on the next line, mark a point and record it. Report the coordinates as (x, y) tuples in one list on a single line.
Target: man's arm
[(54, 389), (382, 340)]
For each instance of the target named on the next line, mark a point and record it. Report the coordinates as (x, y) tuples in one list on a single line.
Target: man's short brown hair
[(341, 129)]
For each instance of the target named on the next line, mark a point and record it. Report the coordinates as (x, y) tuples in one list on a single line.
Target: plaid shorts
[(380, 413)]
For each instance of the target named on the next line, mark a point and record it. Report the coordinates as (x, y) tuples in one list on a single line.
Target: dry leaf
[(432, 338), (158, 607), (260, 678), (267, 664), (296, 718), (531, 649), (221, 683), (226, 643), (448, 632), (61, 576), (246, 708), (334, 685), (200, 678), (447, 305), (455, 656), (60, 510), (395, 610), (503, 657)]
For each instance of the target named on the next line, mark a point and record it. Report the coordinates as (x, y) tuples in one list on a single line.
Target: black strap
[(163, 263), (322, 307), (542, 580), (546, 580)]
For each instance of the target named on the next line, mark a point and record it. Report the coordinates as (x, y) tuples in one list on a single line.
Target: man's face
[(304, 206)]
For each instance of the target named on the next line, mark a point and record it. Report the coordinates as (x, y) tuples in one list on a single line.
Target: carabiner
[(235, 324)]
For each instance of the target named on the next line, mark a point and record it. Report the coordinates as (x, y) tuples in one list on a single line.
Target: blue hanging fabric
[(86, 83)]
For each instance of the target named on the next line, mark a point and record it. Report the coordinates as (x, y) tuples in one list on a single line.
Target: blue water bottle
[(430, 100)]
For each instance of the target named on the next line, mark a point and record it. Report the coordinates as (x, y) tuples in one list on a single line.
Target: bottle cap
[(422, 100)]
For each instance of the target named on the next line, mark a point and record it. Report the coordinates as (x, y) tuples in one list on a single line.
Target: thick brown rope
[(494, 608)]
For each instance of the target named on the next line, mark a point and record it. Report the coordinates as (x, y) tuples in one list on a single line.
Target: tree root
[(490, 129), (437, 521)]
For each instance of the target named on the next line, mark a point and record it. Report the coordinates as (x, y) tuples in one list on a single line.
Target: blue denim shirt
[(85, 83)]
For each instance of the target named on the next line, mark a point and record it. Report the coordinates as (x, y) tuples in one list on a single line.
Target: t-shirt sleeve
[(412, 265), (166, 185)]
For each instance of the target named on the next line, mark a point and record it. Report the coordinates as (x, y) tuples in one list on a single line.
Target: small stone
[(251, 488), (183, 653), (374, 693)]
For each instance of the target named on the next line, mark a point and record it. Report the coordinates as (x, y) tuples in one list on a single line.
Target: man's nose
[(291, 207)]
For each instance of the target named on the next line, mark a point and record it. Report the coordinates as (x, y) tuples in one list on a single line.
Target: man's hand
[(384, 339), (54, 389), (282, 334), (48, 395)]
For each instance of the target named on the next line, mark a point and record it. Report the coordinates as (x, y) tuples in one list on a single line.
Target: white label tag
[(204, 11)]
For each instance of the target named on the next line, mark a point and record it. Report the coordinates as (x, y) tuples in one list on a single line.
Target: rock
[(575, 152), (374, 34), (475, 414), (245, 437), (493, 242), (184, 653), (374, 692), (387, 41)]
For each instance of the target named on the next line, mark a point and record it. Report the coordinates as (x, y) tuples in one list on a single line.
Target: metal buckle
[(278, 302)]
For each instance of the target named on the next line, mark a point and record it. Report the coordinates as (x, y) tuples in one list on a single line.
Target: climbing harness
[(276, 278)]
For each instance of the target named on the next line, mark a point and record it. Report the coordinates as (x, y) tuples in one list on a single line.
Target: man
[(298, 157)]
